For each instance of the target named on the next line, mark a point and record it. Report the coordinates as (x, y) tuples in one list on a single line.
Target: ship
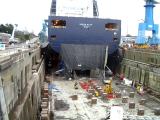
[(78, 23)]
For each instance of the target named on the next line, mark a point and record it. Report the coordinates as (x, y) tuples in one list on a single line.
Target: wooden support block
[(93, 101), (44, 116), (125, 100), (140, 112), (45, 99), (131, 105), (45, 90), (91, 91), (99, 89), (74, 97), (118, 95), (45, 95), (44, 111), (157, 112), (101, 93), (44, 104), (89, 95), (131, 94), (104, 95), (92, 84), (142, 101)]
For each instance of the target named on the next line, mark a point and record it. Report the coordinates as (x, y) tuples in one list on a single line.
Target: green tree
[(27, 36), (128, 35), (23, 36), (7, 28)]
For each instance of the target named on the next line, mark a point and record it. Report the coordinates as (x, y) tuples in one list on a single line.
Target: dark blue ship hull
[(80, 30)]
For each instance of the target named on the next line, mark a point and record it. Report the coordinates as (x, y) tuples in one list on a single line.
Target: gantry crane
[(43, 34), (148, 31)]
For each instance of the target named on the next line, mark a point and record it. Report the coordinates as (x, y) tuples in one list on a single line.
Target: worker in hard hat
[(140, 89), (108, 87), (76, 85)]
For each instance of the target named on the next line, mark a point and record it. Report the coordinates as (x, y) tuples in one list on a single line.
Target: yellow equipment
[(96, 94), (108, 87), (145, 46), (140, 89)]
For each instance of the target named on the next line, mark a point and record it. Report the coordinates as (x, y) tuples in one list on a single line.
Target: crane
[(42, 35), (12, 39), (148, 31)]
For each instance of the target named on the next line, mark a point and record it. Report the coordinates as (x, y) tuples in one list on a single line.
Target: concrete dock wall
[(21, 76), (142, 66)]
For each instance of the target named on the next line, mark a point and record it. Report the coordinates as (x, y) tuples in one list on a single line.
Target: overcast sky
[(29, 14)]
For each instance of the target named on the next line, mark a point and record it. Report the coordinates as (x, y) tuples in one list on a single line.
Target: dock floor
[(81, 109)]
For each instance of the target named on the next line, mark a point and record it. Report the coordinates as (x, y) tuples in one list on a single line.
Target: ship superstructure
[(76, 8)]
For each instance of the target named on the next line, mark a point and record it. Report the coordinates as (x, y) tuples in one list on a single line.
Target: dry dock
[(73, 104)]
